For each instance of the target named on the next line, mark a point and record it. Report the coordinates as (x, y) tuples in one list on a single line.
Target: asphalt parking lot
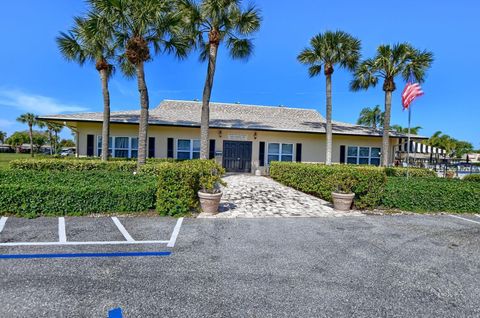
[(371, 266)]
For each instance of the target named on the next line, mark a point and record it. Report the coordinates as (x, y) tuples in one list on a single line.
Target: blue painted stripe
[(115, 313), (84, 255)]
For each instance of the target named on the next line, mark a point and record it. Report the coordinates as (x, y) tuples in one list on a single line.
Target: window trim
[(190, 152), (113, 148), (280, 149), (358, 157)]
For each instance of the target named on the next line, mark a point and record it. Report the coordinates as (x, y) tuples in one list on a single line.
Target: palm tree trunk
[(207, 92), (30, 134), (106, 114), (328, 152), (386, 129), (143, 125), (50, 137), (55, 142)]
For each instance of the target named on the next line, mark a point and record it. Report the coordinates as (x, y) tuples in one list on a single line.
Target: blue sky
[(34, 76)]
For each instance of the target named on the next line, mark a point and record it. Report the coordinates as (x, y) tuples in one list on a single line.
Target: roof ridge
[(237, 104)]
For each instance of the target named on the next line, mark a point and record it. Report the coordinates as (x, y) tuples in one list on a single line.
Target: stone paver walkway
[(249, 196)]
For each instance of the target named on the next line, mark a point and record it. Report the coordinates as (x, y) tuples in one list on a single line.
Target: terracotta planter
[(209, 202), (342, 201), (450, 174)]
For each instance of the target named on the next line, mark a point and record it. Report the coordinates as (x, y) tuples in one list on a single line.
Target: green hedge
[(320, 180), (432, 195), (178, 184), (72, 165), (472, 177), (77, 186), (83, 164), (35, 193), (412, 172)]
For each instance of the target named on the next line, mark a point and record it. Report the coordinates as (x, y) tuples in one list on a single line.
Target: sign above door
[(237, 137)]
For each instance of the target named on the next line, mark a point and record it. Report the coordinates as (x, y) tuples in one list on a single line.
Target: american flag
[(410, 92)]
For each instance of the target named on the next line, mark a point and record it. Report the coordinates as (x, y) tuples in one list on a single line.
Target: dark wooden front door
[(237, 156)]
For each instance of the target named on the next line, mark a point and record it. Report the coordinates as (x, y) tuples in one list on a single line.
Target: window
[(188, 149), (120, 147), (352, 155), (375, 156), (363, 155), (99, 146), (134, 147), (280, 152)]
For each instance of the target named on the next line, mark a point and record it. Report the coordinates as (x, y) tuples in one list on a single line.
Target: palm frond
[(27, 118), (364, 76), (240, 48), (71, 48), (314, 70), (179, 46), (204, 49), (332, 48), (308, 57), (127, 68), (419, 63), (90, 39), (248, 21)]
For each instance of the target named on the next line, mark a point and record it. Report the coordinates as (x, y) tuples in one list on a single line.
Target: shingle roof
[(224, 115)]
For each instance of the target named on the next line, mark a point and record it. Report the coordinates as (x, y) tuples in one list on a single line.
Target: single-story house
[(243, 138)]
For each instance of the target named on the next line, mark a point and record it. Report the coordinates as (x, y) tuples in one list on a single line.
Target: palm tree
[(212, 23), (3, 136), (139, 27), (31, 120), (404, 130), (90, 40), (53, 129), (388, 63), (329, 50), (434, 140), (372, 117)]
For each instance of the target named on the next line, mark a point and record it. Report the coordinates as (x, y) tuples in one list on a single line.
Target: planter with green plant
[(210, 192), (343, 195)]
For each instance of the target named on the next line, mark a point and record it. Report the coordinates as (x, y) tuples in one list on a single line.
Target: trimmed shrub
[(472, 177), (320, 180), (35, 193), (84, 164), (72, 165), (432, 195), (178, 184), (412, 172)]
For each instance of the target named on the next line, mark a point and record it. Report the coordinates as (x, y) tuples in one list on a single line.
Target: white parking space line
[(477, 215), (465, 219), (122, 229), (62, 234), (3, 220), (176, 230), (81, 243)]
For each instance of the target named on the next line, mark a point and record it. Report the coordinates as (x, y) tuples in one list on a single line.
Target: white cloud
[(37, 104), (4, 124)]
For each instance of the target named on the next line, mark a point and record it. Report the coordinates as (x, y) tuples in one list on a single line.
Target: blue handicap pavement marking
[(84, 255), (115, 313)]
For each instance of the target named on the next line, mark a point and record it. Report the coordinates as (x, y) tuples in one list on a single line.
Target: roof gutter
[(64, 120)]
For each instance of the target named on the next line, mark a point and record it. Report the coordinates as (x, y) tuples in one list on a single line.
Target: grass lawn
[(5, 158)]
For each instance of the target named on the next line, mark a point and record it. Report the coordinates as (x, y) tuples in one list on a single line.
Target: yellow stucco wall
[(313, 145)]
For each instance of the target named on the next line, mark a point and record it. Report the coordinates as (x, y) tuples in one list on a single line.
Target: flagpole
[(408, 144)]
